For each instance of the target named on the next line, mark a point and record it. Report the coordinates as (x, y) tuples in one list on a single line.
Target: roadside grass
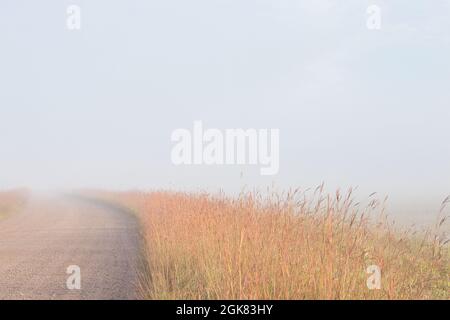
[(11, 201), (284, 246)]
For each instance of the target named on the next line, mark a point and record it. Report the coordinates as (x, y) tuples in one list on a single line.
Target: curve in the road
[(40, 243)]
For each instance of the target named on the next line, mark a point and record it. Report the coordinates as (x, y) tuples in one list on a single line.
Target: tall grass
[(11, 201), (284, 246)]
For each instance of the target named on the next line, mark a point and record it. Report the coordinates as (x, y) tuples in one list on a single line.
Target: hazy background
[(96, 107)]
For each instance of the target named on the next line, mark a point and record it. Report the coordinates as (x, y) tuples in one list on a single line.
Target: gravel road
[(38, 244)]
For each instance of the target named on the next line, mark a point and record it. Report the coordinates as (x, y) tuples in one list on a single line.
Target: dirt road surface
[(38, 244)]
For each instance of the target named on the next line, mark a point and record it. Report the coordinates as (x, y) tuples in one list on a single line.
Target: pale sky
[(355, 107)]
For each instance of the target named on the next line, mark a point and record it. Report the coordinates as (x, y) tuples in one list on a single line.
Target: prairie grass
[(284, 246), (11, 201)]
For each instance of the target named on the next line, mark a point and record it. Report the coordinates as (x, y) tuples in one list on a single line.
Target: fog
[(96, 107)]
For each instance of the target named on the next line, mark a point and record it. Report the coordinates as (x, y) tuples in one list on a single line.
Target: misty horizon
[(96, 107)]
